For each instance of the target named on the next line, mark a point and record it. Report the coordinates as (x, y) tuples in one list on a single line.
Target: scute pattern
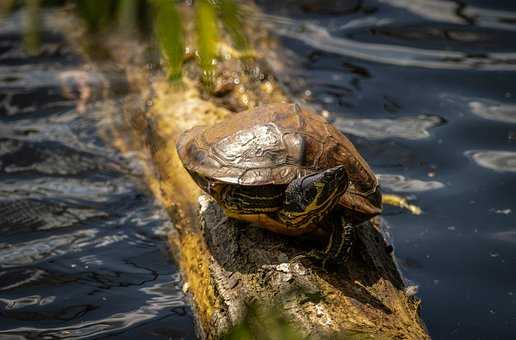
[(273, 145), (259, 147)]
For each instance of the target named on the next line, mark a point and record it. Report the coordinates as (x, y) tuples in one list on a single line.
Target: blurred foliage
[(127, 16), (32, 27), (207, 37), (169, 32), (31, 22), (271, 324), (266, 324), (97, 14), (6, 6), (132, 18), (230, 15)]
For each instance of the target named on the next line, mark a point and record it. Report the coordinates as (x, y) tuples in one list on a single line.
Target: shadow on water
[(82, 248), (425, 90)]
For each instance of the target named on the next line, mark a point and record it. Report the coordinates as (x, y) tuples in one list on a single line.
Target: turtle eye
[(309, 193)]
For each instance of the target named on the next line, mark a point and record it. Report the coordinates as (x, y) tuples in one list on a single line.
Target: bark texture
[(364, 297)]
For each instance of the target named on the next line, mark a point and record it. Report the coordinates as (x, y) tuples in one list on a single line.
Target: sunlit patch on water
[(411, 127), (494, 160), (495, 111), (399, 183), (501, 111)]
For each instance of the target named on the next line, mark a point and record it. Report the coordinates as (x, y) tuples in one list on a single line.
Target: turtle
[(285, 168)]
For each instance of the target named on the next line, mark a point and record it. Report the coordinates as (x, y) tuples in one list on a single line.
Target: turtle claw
[(314, 254), (319, 258), (222, 221)]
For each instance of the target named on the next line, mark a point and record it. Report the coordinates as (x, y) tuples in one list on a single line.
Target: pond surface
[(82, 246), (427, 92)]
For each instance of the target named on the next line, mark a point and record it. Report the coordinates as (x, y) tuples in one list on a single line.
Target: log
[(366, 296), (230, 266), (240, 273)]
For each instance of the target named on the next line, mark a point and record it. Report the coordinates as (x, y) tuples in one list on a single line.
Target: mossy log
[(230, 267)]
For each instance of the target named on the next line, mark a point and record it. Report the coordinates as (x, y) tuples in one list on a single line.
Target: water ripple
[(33, 300), (494, 160), (31, 252), (83, 189), (410, 127), (494, 111), (485, 108), (399, 183), (162, 295), (454, 12), (319, 37)]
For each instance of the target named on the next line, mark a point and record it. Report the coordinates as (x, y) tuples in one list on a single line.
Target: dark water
[(82, 244), (427, 92)]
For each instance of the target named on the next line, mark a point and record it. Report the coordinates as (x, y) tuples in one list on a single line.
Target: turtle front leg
[(340, 242)]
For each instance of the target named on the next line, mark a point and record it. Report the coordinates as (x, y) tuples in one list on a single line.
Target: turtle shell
[(272, 145)]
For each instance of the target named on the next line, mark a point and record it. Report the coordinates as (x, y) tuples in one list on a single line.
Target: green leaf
[(6, 7), (127, 15), (96, 13), (32, 28), (230, 15), (207, 38), (169, 32)]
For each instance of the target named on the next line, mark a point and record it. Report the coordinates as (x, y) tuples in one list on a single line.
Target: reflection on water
[(398, 183), (319, 37), (412, 127), (500, 112), (81, 247), (455, 12), (378, 67), (34, 251), (494, 160)]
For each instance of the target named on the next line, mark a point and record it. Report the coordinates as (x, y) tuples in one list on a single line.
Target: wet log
[(230, 266)]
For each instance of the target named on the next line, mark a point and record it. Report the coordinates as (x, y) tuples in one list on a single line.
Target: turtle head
[(309, 198)]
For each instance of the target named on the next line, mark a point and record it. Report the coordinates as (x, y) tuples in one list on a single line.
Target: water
[(426, 91), (82, 246)]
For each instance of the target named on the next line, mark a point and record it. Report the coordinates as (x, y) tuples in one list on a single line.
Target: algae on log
[(230, 266)]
